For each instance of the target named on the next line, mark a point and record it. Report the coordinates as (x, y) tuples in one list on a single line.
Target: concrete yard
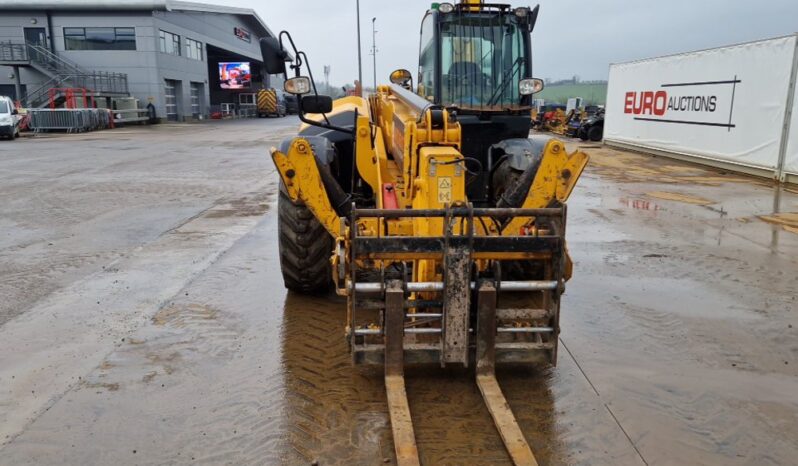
[(143, 318)]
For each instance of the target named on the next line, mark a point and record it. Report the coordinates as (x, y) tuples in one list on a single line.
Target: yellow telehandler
[(431, 209)]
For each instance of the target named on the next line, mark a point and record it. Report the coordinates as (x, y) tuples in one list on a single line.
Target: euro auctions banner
[(723, 104), (791, 159)]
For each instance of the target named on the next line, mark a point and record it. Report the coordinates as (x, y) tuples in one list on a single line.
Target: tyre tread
[(305, 248)]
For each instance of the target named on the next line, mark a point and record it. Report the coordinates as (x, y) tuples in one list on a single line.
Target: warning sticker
[(445, 190)]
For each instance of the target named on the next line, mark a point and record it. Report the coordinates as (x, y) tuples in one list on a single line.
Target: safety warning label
[(445, 190)]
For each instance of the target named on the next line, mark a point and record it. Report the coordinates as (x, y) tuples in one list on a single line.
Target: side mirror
[(15, 112), (317, 104), (273, 55), (533, 18), (402, 77)]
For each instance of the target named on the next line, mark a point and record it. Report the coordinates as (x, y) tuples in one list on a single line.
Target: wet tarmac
[(679, 342)]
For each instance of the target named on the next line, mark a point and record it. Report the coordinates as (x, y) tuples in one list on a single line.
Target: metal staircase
[(63, 73)]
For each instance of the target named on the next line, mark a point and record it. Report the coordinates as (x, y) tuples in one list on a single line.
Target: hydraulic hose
[(340, 200)]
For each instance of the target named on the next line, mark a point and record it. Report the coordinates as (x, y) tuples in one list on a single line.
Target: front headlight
[(530, 86), (6, 120)]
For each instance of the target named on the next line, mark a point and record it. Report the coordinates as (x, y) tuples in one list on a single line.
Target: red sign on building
[(242, 34)]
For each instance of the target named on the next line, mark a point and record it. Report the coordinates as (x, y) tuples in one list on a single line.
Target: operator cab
[(476, 58)]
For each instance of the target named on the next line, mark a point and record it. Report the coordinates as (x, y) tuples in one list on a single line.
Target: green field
[(593, 94)]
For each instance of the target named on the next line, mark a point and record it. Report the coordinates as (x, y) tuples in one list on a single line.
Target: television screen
[(235, 75)]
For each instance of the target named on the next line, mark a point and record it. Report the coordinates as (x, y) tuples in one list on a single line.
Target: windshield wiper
[(508, 76)]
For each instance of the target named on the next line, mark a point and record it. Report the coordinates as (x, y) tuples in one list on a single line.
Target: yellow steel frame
[(394, 144)]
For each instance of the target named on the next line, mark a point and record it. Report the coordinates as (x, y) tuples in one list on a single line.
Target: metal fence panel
[(70, 120)]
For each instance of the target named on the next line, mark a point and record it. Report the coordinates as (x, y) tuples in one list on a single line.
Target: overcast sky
[(572, 37)]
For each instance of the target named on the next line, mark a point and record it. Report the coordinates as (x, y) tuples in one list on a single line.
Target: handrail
[(97, 81), (63, 72), (41, 94), (13, 51), (45, 57)]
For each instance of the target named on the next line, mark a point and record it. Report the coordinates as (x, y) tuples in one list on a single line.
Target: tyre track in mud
[(335, 413), (234, 370), (207, 368)]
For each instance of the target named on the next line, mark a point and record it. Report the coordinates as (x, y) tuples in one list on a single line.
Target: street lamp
[(374, 48), (359, 57)]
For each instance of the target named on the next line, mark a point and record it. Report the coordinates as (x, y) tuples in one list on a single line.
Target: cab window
[(426, 65), (482, 61)]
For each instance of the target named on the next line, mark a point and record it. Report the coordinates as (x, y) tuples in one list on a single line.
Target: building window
[(193, 49), (100, 38), (170, 43)]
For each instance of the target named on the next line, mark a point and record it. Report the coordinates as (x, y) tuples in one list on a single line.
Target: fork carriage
[(447, 321)]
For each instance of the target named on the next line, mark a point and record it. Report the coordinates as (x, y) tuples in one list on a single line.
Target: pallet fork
[(399, 409), (471, 327)]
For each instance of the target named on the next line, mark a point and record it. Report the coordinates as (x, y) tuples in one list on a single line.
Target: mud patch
[(252, 206), (640, 168), (110, 387), (177, 315), (788, 220), (669, 196)]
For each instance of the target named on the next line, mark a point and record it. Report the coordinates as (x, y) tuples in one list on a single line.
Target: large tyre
[(504, 178), (305, 248), (596, 133)]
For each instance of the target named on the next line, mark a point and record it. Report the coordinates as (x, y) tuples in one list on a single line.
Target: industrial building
[(187, 59)]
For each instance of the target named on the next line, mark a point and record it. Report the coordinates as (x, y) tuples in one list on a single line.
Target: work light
[(445, 7), (521, 12), (298, 85), (530, 86)]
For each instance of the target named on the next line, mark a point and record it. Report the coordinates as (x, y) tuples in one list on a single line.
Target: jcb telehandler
[(431, 209)]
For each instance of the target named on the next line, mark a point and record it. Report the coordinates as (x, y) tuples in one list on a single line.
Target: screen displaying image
[(234, 75)]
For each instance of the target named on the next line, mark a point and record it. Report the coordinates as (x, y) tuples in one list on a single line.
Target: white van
[(9, 119)]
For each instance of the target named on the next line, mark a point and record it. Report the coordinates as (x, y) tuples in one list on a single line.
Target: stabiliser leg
[(511, 434), (401, 423)]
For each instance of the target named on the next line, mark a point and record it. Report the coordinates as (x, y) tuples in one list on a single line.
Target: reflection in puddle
[(639, 204), (774, 235)]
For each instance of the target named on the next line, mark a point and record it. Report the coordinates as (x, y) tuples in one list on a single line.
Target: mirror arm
[(307, 120), (297, 71), (297, 65), (315, 91)]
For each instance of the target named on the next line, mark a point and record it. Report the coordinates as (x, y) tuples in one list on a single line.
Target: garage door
[(170, 99), (196, 92)]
